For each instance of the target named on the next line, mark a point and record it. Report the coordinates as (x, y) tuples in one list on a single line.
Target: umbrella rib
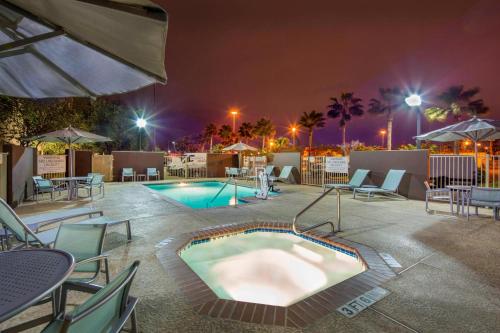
[(30, 40)]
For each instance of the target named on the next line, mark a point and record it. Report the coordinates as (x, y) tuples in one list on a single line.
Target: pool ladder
[(324, 194), (228, 181)]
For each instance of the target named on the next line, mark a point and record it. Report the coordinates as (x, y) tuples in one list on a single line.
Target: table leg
[(463, 202)]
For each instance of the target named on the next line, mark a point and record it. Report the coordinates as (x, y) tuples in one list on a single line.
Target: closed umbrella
[(474, 129), (80, 48), (70, 136)]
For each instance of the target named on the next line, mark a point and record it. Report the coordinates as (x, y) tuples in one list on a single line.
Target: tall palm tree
[(345, 108), (246, 131), (209, 132), (310, 121), (226, 134), (263, 128), (457, 102), (391, 100)]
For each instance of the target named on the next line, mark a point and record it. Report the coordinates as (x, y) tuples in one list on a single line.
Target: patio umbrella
[(474, 129), (240, 146), (70, 136), (80, 48)]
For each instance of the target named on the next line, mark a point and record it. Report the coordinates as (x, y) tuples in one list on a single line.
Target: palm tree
[(210, 131), (310, 121), (226, 134), (391, 101), (344, 108), (458, 102), (281, 143), (263, 128), (246, 131)]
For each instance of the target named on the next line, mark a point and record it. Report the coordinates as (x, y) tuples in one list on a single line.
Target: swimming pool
[(199, 194), (274, 267)]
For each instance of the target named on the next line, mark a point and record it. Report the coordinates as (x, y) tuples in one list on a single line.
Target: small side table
[(140, 177)]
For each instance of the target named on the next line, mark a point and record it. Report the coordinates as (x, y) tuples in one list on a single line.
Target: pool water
[(199, 194), (269, 267)]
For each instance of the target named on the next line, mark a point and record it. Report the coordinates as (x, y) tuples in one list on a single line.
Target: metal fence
[(313, 172), (178, 166)]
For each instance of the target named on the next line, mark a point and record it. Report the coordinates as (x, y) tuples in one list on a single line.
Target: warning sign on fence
[(51, 164), (336, 164)]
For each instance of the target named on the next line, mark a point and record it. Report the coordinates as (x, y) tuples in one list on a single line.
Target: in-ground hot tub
[(269, 266)]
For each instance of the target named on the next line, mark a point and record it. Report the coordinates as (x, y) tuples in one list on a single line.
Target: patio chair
[(128, 173), (106, 311), (226, 171), (356, 181), (42, 186), (94, 181), (244, 172), (437, 194), (84, 242), (152, 172), (389, 186), (269, 170), (234, 172), (484, 197)]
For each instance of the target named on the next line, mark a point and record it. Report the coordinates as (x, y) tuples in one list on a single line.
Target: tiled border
[(299, 314)]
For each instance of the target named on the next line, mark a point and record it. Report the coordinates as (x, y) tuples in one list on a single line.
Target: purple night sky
[(279, 58)]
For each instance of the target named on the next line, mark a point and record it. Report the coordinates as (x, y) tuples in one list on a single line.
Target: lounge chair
[(437, 194), (484, 197), (128, 173), (269, 170), (389, 186), (34, 222), (106, 311), (152, 172), (356, 181), (84, 242), (94, 181)]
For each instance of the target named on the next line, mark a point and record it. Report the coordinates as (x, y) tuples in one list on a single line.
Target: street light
[(140, 123), (383, 132), (414, 101), (234, 113), (294, 134)]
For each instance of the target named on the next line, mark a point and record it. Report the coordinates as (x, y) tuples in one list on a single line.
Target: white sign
[(336, 164), (390, 260), (51, 164), (197, 158), (352, 308)]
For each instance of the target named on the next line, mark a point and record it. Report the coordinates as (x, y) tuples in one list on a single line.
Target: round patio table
[(72, 184), (28, 276), (462, 191)]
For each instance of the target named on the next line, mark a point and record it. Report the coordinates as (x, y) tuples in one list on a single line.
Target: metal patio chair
[(106, 311), (128, 173), (152, 172), (484, 197), (389, 186), (42, 186), (437, 194), (94, 181)]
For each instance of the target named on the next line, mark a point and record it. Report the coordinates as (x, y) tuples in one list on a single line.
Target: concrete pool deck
[(449, 280)]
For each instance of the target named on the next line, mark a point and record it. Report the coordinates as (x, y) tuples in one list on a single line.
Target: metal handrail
[(228, 181), (294, 227)]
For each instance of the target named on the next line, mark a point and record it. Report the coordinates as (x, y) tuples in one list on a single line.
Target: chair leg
[(133, 321), (129, 230), (106, 268), (426, 203)]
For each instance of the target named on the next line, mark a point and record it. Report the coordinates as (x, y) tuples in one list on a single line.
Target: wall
[(415, 162), (3, 175), (20, 166), (83, 162), (280, 160), (216, 164), (138, 160)]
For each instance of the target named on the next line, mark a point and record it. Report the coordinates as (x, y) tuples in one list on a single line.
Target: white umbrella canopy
[(474, 129), (69, 136), (80, 48), (240, 146)]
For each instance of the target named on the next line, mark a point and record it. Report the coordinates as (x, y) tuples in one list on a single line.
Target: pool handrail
[(294, 226), (228, 181)]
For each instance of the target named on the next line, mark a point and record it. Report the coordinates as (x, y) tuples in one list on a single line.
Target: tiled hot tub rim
[(299, 314)]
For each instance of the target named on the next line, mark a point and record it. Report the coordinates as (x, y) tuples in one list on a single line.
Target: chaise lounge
[(389, 186)]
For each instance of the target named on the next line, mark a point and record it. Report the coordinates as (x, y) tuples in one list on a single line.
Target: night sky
[(277, 59)]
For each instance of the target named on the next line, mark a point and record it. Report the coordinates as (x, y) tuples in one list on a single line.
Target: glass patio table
[(72, 185), (30, 275), (462, 191)]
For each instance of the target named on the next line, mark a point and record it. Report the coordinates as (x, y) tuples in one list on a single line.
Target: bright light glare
[(232, 201), (141, 122), (413, 100)]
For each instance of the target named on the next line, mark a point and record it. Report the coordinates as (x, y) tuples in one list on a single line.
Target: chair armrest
[(96, 258)]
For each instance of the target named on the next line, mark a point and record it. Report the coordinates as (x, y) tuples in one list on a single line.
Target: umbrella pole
[(475, 158)]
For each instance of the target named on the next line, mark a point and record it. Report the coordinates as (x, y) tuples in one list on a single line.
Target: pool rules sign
[(51, 164), (336, 164)]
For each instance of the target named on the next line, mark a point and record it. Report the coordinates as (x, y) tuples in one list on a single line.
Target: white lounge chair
[(356, 181), (389, 186)]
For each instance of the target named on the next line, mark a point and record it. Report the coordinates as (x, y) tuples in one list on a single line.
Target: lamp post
[(234, 113), (140, 123), (383, 132), (414, 101), (294, 134)]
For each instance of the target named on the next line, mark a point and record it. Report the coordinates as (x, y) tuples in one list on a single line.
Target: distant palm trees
[(209, 133), (263, 128), (391, 100), (310, 121), (457, 102), (245, 131), (226, 134), (345, 108)]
